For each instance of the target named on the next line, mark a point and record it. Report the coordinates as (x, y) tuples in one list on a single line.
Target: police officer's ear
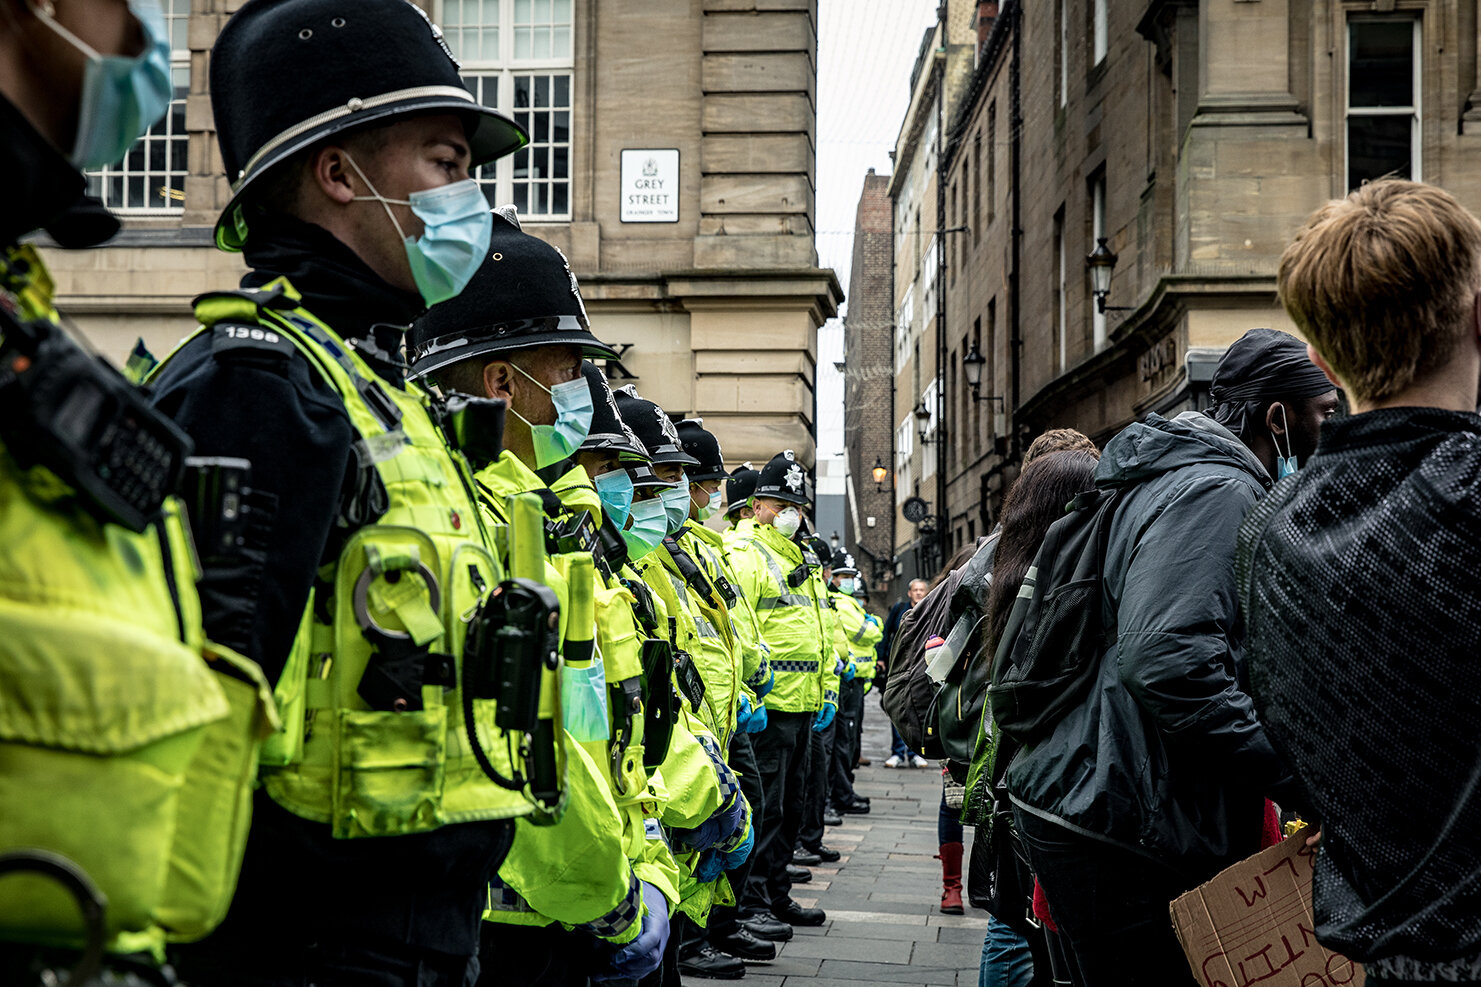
[(498, 379), (328, 169)]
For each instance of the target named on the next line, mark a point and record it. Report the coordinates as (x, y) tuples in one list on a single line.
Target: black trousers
[(846, 742), (782, 762), (536, 956), (723, 918), (820, 760), (1110, 904)]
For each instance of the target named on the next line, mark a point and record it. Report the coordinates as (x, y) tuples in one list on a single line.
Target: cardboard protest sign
[(1253, 924)]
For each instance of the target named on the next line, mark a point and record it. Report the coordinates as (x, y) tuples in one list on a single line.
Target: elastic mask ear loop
[(532, 381), (1286, 425), (46, 13), (375, 196)]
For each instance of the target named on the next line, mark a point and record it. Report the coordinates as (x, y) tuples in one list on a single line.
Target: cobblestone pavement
[(883, 897)]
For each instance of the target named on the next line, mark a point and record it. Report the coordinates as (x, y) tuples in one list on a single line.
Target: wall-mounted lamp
[(922, 419), (972, 363), (879, 472), (1101, 263)]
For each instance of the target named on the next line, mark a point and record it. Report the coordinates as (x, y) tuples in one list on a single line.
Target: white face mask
[(787, 521)]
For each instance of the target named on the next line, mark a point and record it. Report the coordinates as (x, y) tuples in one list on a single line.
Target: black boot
[(744, 944), (798, 875), (709, 963), (764, 925), (804, 857), (794, 914)]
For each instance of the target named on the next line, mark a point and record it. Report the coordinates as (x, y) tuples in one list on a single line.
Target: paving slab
[(864, 950)]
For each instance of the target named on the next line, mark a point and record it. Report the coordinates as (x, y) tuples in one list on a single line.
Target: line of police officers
[(313, 674)]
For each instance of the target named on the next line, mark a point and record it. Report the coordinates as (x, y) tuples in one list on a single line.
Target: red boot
[(951, 879)]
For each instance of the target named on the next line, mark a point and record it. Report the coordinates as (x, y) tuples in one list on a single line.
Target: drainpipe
[(1015, 155), (943, 512)]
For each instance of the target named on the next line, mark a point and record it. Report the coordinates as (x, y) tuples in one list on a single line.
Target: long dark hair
[(1035, 501)]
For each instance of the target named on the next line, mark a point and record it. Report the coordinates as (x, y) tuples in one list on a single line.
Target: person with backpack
[(900, 754), (1014, 952), (1143, 767), (1357, 582)]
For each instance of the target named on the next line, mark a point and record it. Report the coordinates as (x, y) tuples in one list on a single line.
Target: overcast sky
[(866, 49)]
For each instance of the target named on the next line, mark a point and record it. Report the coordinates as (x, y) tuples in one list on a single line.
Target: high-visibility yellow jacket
[(862, 631), (577, 872), (713, 553), (792, 614), (128, 743)]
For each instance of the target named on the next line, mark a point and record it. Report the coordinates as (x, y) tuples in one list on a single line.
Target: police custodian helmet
[(523, 296), (286, 74), (783, 479), (739, 487), (652, 425), (609, 433), (701, 443), (843, 564)]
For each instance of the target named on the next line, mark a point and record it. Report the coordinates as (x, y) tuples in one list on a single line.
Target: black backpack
[(1055, 637)]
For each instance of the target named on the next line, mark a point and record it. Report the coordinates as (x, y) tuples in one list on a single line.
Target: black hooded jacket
[(1165, 756)]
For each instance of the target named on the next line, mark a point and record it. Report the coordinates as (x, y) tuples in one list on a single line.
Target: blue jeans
[(897, 744), (1006, 958)]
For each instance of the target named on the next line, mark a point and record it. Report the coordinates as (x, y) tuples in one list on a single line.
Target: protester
[(1012, 951), (1153, 782), (1358, 582), (900, 755)]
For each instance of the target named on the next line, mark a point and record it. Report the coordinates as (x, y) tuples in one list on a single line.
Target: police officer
[(378, 825), (709, 664), (811, 849), (120, 743), (726, 933), (518, 333), (782, 587), (738, 489), (862, 632)]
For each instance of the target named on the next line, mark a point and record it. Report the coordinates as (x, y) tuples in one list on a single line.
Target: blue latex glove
[(766, 686), (837, 666), (711, 865), (738, 856), (641, 956), (871, 619), (743, 714), (758, 720), (717, 829), (849, 671), (825, 717)]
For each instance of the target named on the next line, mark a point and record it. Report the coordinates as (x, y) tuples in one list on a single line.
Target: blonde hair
[(1383, 283), (1059, 440)]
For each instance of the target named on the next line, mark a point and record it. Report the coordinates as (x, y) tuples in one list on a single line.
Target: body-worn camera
[(475, 427), (798, 576), (75, 415)]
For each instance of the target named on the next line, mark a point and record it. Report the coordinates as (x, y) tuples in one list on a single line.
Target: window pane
[(559, 163), (1382, 68), (522, 44), (522, 12), (1377, 146), (540, 133), (521, 90), (558, 202), (522, 198), (562, 90), (542, 90), (560, 43), (562, 129), (542, 42)]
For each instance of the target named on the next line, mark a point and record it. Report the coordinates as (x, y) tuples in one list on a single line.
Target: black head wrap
[(1261, 366)]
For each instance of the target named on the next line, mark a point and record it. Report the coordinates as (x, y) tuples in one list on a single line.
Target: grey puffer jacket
[(1164, 756)]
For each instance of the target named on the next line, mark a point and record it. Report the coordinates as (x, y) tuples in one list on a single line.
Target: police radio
[(75, 415), (513, 635)]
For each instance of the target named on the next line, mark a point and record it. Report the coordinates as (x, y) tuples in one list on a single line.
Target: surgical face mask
[(572, 421), (122, 96), (584, 701), (711, 507), (787, 521), (616, 490), (456, 227), (846, 586), (649, 525), (1284, 465), (676, 505)]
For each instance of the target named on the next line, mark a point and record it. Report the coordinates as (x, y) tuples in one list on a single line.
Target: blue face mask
[(456, 227), (649, 525), (1284, 465), (616, 490), (572, 421), (846, 586), (676, 504), (122, 96), (584, 701), (708, 511)]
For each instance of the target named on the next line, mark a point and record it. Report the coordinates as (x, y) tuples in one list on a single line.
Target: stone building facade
[(1195, 136), (672, 161)]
